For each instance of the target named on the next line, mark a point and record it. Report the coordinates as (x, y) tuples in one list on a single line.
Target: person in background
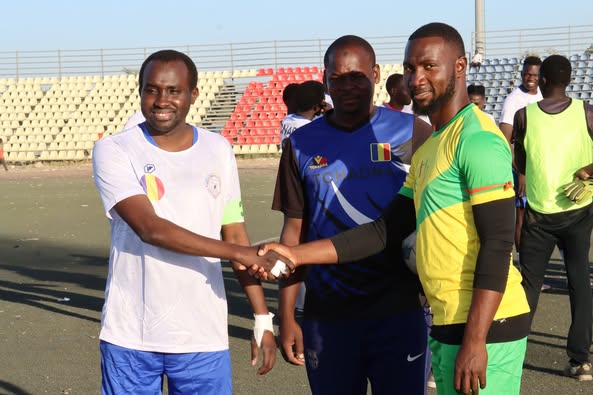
[(477, 95), (553, 145), (289, 97), (2, 159), (476, 61), (399, 97), (309, 101), (526, 93)]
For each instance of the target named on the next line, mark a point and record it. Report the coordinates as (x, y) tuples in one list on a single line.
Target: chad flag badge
[(380, 152)]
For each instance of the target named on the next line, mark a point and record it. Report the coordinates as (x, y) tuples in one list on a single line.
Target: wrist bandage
[(263, 322), (279, 269)]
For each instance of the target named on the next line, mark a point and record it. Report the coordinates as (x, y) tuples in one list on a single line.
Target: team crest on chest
[(213, 185), (319, 161)]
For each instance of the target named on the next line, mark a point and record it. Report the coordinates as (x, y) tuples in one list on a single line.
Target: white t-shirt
[(155, 299), (516, 100), (136, 119), (290, 123)]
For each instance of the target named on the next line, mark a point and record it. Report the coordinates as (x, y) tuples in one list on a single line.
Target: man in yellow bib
[(553, 141)]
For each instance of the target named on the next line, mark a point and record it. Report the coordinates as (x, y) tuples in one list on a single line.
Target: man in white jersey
[(171, 192), (136, 119), (528, 92)]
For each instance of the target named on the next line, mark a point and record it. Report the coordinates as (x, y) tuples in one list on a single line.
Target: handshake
[(269, 261)]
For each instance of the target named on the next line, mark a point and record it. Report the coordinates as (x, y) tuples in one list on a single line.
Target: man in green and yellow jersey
[(459, 197)]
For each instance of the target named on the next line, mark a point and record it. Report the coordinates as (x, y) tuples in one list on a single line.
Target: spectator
[(527, 93), (477, 95), (289, 97), (309, 101), (2, 160), (399, 97), (476, 61)]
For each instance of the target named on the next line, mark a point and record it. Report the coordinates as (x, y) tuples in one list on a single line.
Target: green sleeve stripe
[(233, 212)]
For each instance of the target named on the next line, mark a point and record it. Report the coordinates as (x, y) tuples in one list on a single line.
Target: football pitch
[(54, 245)]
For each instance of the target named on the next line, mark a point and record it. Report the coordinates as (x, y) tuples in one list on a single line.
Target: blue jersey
[(335, 180)]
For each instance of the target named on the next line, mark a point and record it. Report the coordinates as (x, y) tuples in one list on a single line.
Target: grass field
[(54, 243)]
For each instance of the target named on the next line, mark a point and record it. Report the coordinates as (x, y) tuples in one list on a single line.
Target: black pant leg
[(576, 241), (537, 245)]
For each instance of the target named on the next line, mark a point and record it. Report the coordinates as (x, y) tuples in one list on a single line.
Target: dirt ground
[(54, 242)]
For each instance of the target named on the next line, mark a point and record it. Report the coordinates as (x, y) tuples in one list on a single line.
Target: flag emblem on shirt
[(153, 187), (380, 152)]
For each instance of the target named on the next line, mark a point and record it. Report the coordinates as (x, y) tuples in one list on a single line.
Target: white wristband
[(279, 269), (263, 322)]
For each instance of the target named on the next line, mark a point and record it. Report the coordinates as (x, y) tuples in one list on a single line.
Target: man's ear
[(461, 65)]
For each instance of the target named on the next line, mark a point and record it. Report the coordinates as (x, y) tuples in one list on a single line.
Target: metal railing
[(231, 57), (565, 40)]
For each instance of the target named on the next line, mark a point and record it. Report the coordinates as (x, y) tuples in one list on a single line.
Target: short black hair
[(476, 90), (442, 30), (532, 61), (289, 97), (556, 69), (392, 81), (309, 94), (346, 41), (170, 55)]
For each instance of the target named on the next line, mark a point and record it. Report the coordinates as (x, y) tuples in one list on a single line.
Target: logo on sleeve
[(153, 186)]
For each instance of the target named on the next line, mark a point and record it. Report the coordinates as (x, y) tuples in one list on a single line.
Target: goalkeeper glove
[(579, 190)]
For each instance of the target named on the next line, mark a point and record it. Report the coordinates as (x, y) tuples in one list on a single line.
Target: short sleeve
[(114, 175), (485, 162), (507, 114), (288, 193)]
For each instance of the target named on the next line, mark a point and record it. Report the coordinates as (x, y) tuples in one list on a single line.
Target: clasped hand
[(269, 261)]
